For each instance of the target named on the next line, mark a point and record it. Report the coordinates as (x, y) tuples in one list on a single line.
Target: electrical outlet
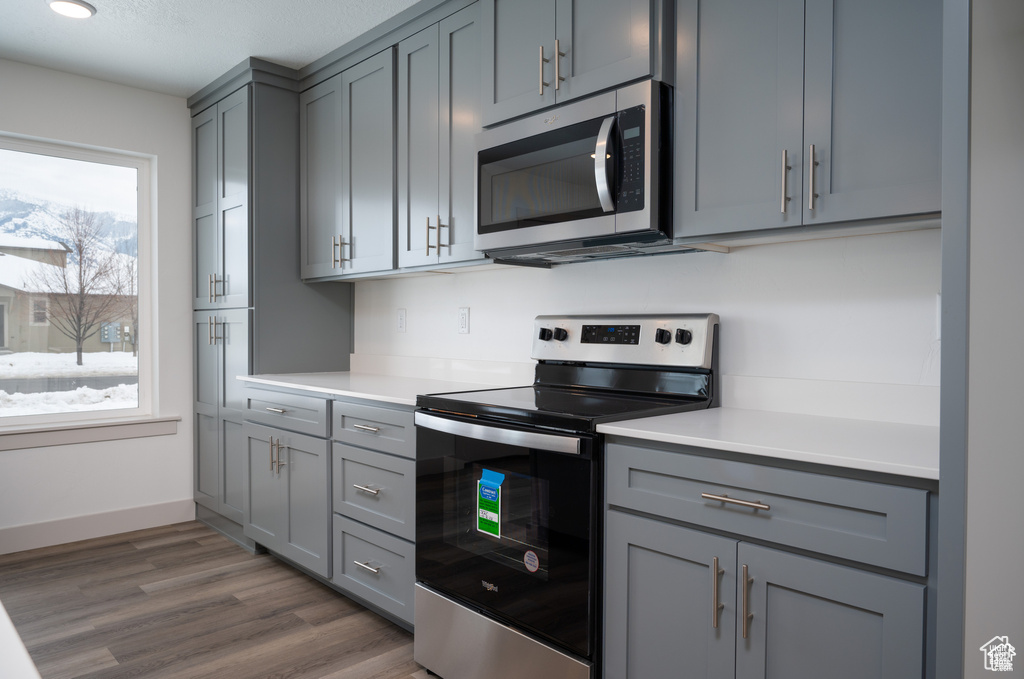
[(401, 320), (463, 320)]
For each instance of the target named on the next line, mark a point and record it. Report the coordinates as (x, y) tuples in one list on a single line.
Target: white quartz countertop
[(905, 449), (384, 388)]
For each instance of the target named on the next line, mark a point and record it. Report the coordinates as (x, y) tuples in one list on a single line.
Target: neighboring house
[(24, 310)]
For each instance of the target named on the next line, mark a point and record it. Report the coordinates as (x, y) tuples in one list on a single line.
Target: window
[(40, 306), (74, 283)]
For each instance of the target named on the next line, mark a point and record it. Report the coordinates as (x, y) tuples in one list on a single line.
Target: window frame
[(145, 166), (33, 301)]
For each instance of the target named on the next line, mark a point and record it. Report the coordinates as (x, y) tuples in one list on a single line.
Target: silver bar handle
[(733, 501), (541, 75), (366, 427), (715, 606), (279, 463), (439, 243), (785, 179), (365, 489), (367, 567), (513, 437), (279, 411), (271, 453), (558, 53), (209, 287), (812, 163), (747, 615), (601, 157), (209, 330), (335, 261), (429, 227)]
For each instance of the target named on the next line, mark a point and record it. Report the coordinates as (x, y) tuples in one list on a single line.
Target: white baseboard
[(75, 528)]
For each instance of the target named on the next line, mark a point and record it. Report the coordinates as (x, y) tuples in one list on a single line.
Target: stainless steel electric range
[(509, 492)]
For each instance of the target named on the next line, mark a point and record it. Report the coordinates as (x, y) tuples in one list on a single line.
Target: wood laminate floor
[(183, 602)]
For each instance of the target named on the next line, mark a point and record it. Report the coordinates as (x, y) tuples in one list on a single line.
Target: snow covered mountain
[(27, 217)]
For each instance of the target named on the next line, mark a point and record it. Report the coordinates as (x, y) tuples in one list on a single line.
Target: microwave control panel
[(632, 140)]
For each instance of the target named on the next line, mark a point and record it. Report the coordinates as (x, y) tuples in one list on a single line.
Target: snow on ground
[(83, 398), (36, 364)]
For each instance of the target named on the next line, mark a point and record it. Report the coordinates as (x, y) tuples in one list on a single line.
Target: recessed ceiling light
[(76, 9)]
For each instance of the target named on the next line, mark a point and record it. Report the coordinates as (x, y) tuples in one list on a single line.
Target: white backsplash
[(843, 327)]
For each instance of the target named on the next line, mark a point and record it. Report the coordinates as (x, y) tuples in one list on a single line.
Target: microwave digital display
[(631, 132)]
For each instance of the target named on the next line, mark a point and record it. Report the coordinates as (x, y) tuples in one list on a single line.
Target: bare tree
[(86, 291), (127, 275)]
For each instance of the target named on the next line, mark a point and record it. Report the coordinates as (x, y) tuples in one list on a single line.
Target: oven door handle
[(602, 159), (512, 437)]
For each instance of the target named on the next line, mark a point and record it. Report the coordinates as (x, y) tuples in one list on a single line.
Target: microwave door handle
[(601, 158), (512, 437)]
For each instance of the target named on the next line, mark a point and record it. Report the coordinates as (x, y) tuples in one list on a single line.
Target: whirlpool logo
[(488, 586)]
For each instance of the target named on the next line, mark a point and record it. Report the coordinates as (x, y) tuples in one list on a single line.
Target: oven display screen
[(610, 334)]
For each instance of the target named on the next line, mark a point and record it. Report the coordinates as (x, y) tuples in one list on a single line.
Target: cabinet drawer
[(868, 522), (387, 574), (294, 412), (383, 429), (375, 488)]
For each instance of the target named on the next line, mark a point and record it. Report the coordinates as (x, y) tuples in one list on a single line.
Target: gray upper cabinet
[(779, 100), (540, 52), (347, 167), (438, 118), (220, 141)]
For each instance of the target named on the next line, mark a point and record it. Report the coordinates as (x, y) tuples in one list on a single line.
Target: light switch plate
[(463, 320)]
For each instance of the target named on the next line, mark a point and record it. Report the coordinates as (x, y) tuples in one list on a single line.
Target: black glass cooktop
[(573, 409)]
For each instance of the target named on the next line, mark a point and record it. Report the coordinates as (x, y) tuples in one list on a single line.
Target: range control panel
[(678, 340)]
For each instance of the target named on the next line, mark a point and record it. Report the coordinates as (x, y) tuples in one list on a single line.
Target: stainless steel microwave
[(587, 180)]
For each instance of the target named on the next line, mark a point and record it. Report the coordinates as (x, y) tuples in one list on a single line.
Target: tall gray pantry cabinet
[(252, 313)]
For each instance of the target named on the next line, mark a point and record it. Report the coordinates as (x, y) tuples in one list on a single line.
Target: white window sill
[(17, 438)]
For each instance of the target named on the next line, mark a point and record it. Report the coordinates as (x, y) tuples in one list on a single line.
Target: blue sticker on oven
[(488, 503)]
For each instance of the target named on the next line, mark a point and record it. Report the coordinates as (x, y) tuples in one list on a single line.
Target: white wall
[(79, 491), (994, 597), (847, 313)]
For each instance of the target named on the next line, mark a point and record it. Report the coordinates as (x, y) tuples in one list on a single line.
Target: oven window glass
[(543, 179), (505, 522)]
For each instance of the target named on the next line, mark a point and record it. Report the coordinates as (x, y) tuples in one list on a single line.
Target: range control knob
[(545, 334), (662, 336), (683, 336), (560, 334)]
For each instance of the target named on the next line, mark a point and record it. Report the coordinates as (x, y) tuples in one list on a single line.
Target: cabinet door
[(204, 207), (234, 337), (231, 288), (514, 76), (233, 466), (812, 619), (368, 165), (872, 109), (460, 123), (305, 473), (418, 129), (745, 58), (605, 42), (320, 179), (265, 500), (660, 605)]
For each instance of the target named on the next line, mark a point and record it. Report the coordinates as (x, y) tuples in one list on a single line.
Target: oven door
[(507, 523)]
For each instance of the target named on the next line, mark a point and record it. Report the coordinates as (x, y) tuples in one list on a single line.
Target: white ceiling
[(179, 46)]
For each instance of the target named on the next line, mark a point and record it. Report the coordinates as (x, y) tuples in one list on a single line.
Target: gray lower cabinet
[(537, 53), (221, 341), (374, 502), (799, 114), (438, 119), (347, 165), (700, 597), (288, 495)]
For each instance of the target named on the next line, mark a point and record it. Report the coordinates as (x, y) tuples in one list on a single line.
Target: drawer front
[(294, 412), (387, 572), (383, 429), (868, 522), (375, 488)]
